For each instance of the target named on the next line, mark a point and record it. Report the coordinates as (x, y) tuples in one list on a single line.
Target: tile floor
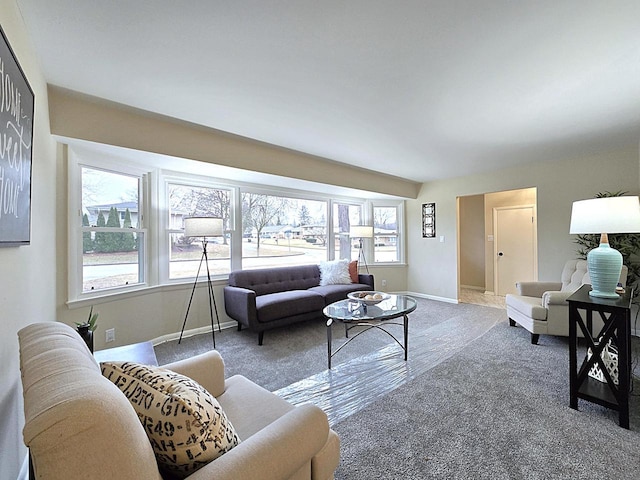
[(478, 297)]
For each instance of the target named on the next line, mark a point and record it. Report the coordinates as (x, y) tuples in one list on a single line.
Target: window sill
[(139, 291)]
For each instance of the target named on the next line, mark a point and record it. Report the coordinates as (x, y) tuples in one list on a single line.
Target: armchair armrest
[(240, 304), (536, 289), (277, 451), (207, 369), (366, 279), (555, 298)]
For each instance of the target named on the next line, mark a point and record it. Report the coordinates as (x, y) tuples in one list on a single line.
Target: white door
[(515, 244)]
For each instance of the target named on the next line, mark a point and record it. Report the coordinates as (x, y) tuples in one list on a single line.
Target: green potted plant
[(86, 329)]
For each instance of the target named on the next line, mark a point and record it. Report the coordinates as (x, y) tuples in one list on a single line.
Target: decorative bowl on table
[(368, 297)]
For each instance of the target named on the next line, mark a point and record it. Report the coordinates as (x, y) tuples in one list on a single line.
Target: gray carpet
[(475, 399), (299, 351), (499, 409)]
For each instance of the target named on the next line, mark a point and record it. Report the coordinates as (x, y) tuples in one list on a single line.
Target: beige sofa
[(542, 308), (79, 425)]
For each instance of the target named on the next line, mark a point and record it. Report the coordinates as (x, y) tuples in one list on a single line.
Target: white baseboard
[(432, 297)]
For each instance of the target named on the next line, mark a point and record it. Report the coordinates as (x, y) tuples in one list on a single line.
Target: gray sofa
[(269, 298)]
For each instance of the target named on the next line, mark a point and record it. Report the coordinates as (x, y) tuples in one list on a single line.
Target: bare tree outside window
[(345, 215), (282, 230), (259, 211)]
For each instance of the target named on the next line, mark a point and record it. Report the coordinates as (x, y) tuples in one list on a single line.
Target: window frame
[(364, 216), (75, 229), (285, 193), (400, 240), (154, 221), (167, 178)]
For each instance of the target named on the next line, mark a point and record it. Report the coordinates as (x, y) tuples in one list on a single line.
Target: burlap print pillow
[(185, 424)]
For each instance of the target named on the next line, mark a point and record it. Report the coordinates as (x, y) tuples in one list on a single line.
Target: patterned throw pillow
[(353, 271), (185, 424), (335, 272)]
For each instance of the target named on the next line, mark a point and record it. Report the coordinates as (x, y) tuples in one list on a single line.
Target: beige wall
[(432, 264), (88, 118), (472, 241), (27, 273)]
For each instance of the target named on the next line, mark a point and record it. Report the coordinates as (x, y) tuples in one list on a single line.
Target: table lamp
[(605, 215), (361, 231)]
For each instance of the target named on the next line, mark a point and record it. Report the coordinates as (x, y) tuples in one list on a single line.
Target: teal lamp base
[(604, 264)]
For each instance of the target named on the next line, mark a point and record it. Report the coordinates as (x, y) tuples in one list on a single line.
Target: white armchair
[(542, 308)]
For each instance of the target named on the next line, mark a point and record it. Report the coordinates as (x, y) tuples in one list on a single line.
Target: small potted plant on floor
[(86, 329)]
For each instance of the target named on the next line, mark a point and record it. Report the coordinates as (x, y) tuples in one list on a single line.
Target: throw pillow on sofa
[(185, 424), (335, 272), (353, 271)]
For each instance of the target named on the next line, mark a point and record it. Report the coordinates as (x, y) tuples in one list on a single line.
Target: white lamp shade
[(203, 227), (361, 231), (603, 216), (606, 215)]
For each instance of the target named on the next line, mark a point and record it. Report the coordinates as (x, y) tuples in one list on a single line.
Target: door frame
[(534, 225)]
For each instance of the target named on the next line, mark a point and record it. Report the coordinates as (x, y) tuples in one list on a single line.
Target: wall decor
[(16, 139), (428, 220)]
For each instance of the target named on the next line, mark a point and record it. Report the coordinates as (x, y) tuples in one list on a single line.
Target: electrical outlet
[(384, 283), (110, 335)]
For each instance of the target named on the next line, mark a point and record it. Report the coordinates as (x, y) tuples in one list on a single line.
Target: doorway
[(514, 252), (476, 243)]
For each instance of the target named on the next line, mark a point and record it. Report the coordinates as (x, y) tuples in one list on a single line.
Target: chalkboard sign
[(16, 140)]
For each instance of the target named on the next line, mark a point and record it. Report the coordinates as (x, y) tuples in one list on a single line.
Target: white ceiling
[(414, 88)]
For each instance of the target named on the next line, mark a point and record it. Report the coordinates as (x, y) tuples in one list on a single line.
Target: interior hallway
[(478, 297)]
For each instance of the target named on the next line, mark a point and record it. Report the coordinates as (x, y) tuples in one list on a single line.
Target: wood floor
[(478, 297)]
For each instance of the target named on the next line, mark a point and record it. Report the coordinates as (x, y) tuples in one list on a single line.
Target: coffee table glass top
[(354, 311)]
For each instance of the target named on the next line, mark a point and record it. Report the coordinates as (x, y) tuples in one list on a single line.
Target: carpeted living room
[(198, 200), (475, 398)]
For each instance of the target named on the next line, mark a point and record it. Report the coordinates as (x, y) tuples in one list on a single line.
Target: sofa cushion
[(334, 293), (279, 305), (185, 424), (335, 272), (528, 306), (279, 279)]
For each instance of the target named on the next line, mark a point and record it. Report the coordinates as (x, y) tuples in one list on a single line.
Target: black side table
[(616, 316)]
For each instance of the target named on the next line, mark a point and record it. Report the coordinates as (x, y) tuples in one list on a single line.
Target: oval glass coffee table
[(354, 313)]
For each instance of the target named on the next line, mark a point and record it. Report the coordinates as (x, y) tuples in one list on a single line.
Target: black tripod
[(212, 298), (361, 255)]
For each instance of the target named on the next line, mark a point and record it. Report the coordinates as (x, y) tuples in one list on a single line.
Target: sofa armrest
[(366, 279), (555, 298), (277, 451), (240, 304), (207, 369), (536, 289)]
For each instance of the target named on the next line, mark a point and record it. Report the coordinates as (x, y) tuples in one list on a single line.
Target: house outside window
[(386, 231), (282, 230)]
